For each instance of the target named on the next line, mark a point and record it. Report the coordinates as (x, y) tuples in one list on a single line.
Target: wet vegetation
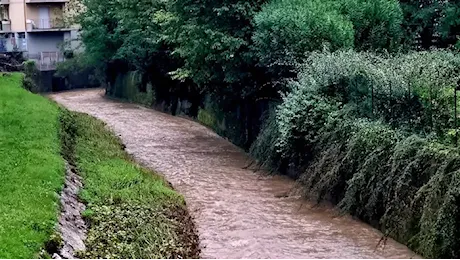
[(354, 98), (131, 211), (373, 157), (31, 169)]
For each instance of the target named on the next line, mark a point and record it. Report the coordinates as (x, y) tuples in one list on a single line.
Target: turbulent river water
[(239, 213)]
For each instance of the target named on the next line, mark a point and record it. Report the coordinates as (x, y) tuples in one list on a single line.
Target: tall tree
[(213, 39), (431, 23)]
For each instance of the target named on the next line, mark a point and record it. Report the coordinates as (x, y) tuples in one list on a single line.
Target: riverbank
[(31, 169), (131, 212)]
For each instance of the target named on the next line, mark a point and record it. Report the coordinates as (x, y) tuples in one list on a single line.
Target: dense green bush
[(213, 40), (31, 80), (377, 23), (414, 91), (287, 29), (430, 23)]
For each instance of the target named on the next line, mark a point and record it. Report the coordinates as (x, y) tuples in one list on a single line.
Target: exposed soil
[(71, 224), (186, 231), (239, 213)]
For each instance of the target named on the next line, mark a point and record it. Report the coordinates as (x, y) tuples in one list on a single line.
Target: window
[(4, 13)]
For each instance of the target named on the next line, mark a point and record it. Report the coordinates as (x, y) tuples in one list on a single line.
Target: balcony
[(12, 45), (5, 26), (46, 25), (46, 61), (44, 1)]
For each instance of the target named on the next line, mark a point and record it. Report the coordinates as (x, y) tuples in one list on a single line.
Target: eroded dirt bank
[(239, 213)]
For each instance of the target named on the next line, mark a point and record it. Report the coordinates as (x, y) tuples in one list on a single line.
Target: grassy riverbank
[(31, 169), (133, 213)]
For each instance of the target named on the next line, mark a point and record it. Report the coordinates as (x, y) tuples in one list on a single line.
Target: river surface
[(239, 213)]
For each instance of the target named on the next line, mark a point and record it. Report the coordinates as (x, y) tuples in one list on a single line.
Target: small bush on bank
[(31, 79)]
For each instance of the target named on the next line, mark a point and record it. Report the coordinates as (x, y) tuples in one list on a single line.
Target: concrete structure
[(37, 28)]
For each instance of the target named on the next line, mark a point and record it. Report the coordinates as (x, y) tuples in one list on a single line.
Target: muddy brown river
[(239, 213)]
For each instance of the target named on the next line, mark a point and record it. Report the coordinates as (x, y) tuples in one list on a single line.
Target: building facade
[(36, 28)]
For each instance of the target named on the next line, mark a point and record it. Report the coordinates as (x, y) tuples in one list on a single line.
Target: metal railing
[(46, 1), (42, 24), (46, 60), (12, 44), (5, 26)]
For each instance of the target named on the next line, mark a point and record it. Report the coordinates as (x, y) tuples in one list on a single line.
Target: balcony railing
[(46, 61), (46, 1), (12, 44), (5, 26), (47, 24)]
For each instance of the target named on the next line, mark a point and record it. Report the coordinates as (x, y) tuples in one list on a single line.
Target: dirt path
[(239, 214)]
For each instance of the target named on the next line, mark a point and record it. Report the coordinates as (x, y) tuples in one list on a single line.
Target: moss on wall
[(127, 86)]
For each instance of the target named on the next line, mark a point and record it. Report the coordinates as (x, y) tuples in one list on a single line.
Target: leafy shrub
[(377, 23), (31, 80), (73, 65), (430, 23), (135, 230), (414, 91), (286, 29)]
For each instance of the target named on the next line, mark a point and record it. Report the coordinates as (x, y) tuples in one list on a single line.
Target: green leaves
[(286, 31), (431, 23), (125, 31), (213, 40)]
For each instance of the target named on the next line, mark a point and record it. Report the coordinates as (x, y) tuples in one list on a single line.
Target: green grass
[(133, 212), (31, 169)]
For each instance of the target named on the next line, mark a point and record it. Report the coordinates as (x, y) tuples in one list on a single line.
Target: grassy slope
[(31, 169), (133, 212)]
